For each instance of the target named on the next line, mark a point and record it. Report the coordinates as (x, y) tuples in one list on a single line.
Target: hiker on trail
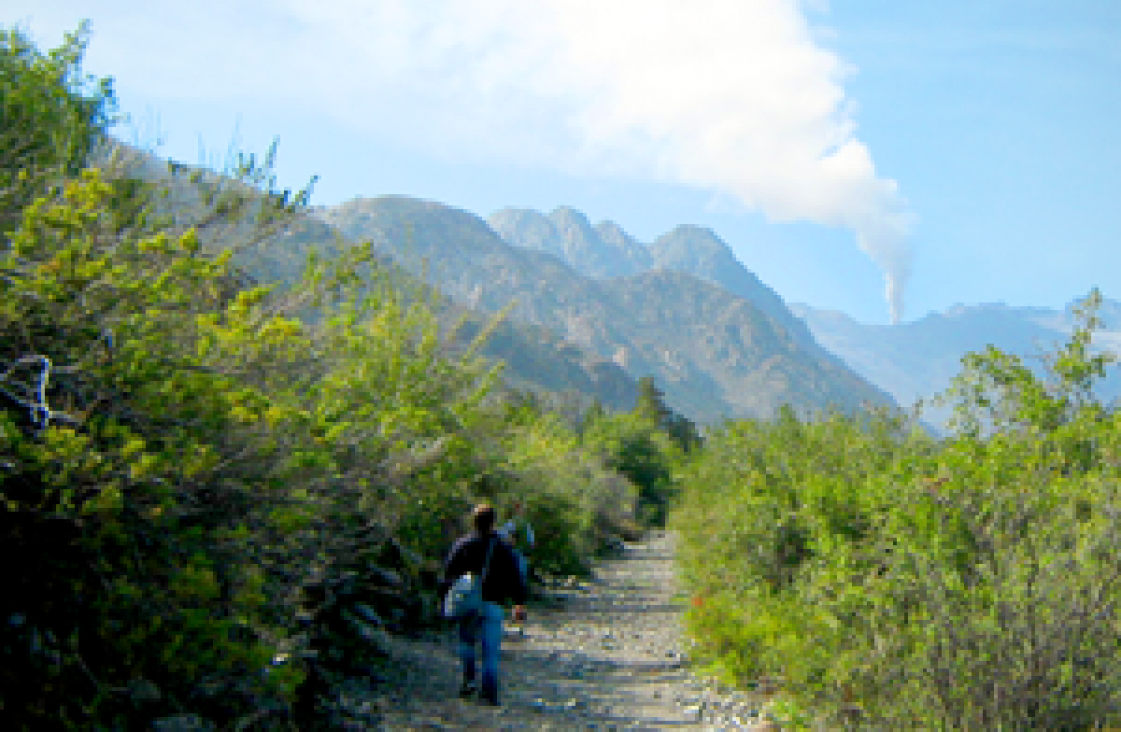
[(509, 534), (484, 554)]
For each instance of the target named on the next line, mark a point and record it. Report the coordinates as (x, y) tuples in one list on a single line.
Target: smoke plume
[(725, 95)]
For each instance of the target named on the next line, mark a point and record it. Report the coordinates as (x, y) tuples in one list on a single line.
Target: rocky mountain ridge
[(910, 361), (606, 251), (536, 359), (714, 352)]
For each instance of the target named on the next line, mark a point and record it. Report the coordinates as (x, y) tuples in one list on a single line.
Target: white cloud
[(733, 96)]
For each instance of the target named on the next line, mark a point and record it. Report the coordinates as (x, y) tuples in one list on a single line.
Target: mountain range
[(917, 360), (592, 309), (909, 361), (536, 359), (683, 310), (606, 251)]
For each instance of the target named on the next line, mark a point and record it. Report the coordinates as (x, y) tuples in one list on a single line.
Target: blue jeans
[(484, 628)]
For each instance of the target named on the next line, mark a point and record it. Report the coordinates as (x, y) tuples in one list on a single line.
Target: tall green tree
[(640, 451), (650, 405), (650, 402)]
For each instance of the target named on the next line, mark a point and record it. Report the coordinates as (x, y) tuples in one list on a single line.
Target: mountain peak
[(695, 249), (696, 230), (634, 255), (718, 351), (573, 227), (569, 214), (691, 247), (610, 231), (601, 251), (527, 228)]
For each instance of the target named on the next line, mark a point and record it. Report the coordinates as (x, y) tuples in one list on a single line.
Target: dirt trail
[(605, 654)]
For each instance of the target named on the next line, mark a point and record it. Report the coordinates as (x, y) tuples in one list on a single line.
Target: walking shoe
[(467, 688), (488, 700)]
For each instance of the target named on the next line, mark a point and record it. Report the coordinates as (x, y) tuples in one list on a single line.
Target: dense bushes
[(970, 583), (196, 466)]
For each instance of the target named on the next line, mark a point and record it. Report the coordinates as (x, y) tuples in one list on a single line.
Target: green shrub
[(964, 584), (195, 465), (635, 446)]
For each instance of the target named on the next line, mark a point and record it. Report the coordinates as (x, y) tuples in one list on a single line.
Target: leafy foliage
[(51, 117), (196, 467), (905, 583), (214, 453), (638, 445)]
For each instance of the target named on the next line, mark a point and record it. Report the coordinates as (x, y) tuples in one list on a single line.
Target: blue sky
[(963, 151)]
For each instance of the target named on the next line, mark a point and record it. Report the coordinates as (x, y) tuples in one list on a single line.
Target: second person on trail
[(503, 581), (522, 545)]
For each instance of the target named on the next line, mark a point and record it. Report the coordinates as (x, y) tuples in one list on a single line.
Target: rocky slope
[(606, 250), (714, 352), (536, 360)]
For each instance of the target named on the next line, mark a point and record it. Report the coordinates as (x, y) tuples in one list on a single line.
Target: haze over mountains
[(918, 359), (716, 340)]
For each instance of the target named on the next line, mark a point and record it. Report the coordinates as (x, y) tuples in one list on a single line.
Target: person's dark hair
[(483, 518)]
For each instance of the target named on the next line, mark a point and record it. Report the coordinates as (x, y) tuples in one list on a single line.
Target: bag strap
[(486, 562)]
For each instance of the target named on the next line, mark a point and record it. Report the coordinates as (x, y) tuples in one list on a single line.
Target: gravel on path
[(601, 654)]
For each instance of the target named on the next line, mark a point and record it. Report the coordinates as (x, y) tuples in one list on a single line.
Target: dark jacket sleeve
[(512, 585)]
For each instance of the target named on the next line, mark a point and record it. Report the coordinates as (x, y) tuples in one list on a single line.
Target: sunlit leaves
[(936, 584), (207, 445)]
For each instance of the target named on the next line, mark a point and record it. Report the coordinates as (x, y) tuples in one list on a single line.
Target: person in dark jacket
[(504, 581)]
